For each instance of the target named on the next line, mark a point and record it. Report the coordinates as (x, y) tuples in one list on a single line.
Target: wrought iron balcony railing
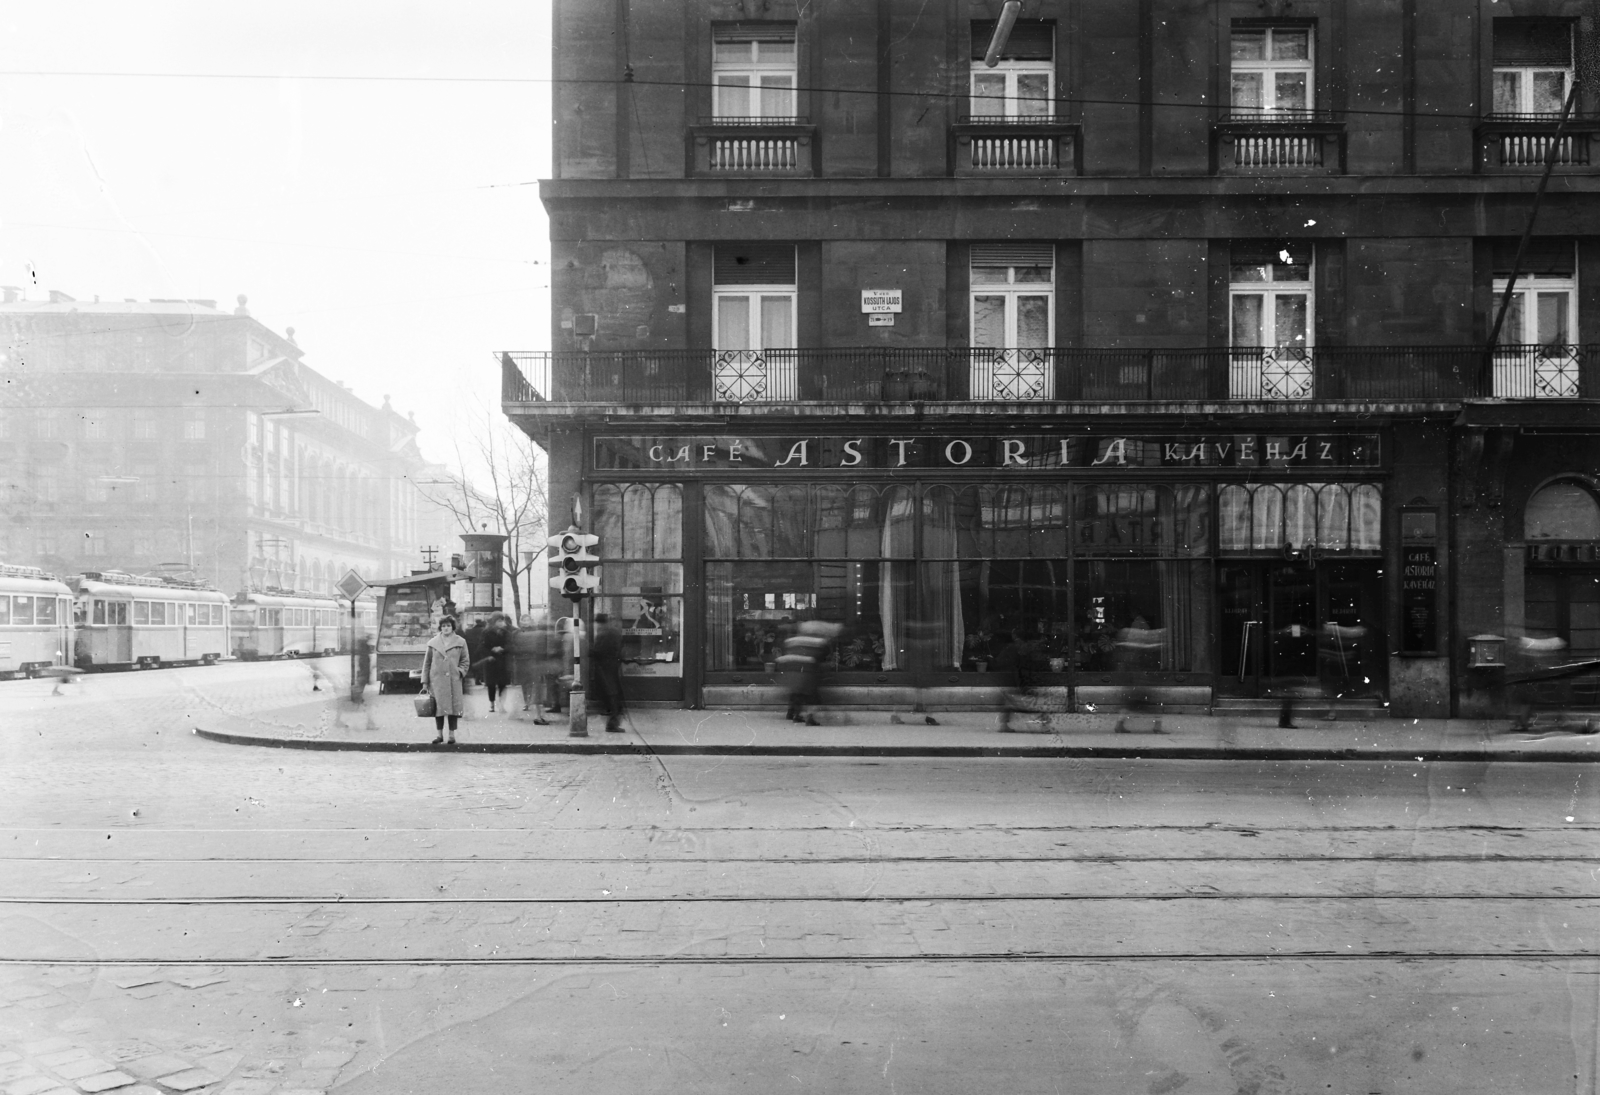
[(873, 375), (1279, 142)]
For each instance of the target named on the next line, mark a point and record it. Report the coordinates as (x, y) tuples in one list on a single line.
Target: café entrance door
[(1288, 626)]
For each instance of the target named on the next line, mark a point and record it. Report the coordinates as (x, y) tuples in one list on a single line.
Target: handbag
[(427, 706)]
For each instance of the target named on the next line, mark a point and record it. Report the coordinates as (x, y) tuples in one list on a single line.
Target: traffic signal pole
[(576, 579)]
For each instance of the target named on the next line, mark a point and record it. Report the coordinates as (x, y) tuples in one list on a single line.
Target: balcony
[(1367, 374), (1519, 143), (996, 147), (1283, 143), (753, 147)]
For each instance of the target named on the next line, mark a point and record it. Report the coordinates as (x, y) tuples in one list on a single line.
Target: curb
[(1049, 752)]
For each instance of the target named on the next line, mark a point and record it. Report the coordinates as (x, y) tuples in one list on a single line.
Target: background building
[(1160, 346), (167, 435)]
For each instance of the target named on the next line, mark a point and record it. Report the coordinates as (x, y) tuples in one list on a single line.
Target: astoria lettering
[(989, 452)]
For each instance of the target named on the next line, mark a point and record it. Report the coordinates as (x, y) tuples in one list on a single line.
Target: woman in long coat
[(444, 669)]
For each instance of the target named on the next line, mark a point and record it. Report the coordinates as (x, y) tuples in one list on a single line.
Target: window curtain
[(942, 610), (896, 544), (1186, 614), (719, 614)]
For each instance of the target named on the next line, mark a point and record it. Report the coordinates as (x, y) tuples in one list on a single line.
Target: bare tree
[(511, 499)]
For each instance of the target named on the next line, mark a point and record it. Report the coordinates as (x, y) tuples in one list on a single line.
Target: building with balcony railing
[(1163, 349)]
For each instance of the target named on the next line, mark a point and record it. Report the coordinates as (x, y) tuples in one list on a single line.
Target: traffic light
[(576, 575)]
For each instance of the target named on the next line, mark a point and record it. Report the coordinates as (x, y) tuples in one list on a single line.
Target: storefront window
[(1143, 598), (780, 554), (640, 527)]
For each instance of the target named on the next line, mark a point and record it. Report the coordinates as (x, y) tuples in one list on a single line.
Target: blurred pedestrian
[(363, 675), (496, 657), (1139, 647), (474, 637), (801, 660), (1011, 662), (532, 655), (444, 674), (605, 678)]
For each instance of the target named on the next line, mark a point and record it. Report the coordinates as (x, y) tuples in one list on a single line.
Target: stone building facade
[(153, 436), (1158, 349)]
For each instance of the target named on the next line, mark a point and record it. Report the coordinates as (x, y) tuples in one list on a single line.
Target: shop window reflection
[(640, 526), (780, 555)]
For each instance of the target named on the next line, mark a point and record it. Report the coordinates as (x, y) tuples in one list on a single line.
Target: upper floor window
[(96, 425), (1541, 308), (144, 424), (754, 296), (1533, 66), (1270, 295), (753, 70), (1013, 295), (194, 426), (1273, 74), (1022, 85)]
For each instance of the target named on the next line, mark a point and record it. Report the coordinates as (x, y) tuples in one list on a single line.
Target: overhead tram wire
[(619, 82)]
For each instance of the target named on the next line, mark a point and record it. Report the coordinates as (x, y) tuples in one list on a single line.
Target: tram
[(35, 622), (284, 623), (128, 621)]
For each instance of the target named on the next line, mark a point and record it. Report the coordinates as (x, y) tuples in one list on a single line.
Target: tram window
[(22, 610), (44, 610), (117, 612), (158, 612), (188, 614), (99, 616), (5, 609), (141, 613)]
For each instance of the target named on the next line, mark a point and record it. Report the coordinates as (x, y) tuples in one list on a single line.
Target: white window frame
[(1526, 294), (755, 295), (1525, 75), (754, 69), (1011, 289), (986, 107), (1270, 290), (1269, 68)]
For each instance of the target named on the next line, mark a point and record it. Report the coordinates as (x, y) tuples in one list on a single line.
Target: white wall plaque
[(880, 300)]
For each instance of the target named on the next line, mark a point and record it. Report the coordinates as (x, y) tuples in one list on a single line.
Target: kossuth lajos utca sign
[(1007, 452)]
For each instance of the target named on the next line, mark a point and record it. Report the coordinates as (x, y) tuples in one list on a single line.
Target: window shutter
[(1031, 40), (754, 264), (1013, 254), (1551, 258), (752, 32), (1533, 42)]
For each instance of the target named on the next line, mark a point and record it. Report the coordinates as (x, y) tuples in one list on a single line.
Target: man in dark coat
[(474, 637), (605, 676)]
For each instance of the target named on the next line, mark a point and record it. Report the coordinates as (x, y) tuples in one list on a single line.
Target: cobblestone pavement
[(177, 915)]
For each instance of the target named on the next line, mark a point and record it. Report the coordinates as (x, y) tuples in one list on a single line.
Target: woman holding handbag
[(444, 669)]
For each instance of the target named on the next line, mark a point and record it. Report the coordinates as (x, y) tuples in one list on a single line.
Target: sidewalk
[(388, 724)]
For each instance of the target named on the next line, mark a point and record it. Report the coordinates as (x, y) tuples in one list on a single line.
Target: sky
[(204, 150)]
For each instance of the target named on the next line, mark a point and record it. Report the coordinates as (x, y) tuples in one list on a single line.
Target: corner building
[(1162, 344)]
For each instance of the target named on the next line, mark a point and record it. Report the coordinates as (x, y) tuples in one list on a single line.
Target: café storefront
[(1206, 563)]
